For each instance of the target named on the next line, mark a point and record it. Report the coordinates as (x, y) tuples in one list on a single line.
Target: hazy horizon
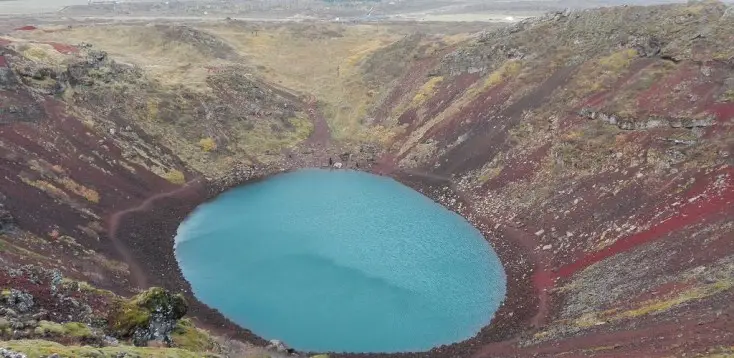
[(25, 6), (39, 6)]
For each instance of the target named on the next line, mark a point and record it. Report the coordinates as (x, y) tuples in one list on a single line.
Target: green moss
[(69, 330), (4, 324), (77, 330), (158, 297), (321, 356), (42, 349), (128, 315), (83, 286), (50, 328), (187, 336)]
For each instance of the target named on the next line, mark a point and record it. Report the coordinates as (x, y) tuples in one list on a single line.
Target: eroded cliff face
[(593, 149)]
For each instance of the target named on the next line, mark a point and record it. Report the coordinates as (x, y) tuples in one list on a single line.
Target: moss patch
[(42, 349), (128, 316), (187, 336)]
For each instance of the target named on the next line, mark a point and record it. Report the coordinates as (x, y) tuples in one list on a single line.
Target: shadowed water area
[(341, 261)]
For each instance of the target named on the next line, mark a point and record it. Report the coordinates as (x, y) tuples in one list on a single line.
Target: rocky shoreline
[(141, 231)]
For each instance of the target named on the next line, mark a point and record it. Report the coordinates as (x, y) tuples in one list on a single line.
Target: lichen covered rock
[(7, 353), (150, 316), (19, 300)]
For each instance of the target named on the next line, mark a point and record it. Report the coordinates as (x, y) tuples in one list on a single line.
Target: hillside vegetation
[(592, 148)]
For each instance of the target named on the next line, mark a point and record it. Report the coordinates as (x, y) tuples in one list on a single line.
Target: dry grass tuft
[(175, 176)]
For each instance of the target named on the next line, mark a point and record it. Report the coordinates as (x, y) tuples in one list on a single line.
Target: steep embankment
[(601, 143), (592, 148)]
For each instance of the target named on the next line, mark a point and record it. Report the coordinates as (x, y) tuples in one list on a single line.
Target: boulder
[(149, 316), (7, 353), (646, 46), (18, 300), (277, 346), (7, 78), (7, 222)]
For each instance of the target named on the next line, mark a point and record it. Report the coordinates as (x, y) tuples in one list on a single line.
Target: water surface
[(341, 261)]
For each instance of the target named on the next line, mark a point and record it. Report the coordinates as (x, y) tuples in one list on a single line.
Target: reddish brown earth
[(617, 236), (63, 48)]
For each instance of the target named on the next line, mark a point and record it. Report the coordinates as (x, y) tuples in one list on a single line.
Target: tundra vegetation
[(593, 148)]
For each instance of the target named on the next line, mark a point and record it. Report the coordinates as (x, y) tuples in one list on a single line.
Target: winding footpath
[(136, 272)]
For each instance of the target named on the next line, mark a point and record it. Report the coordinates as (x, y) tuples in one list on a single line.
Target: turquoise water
[(341, 261)]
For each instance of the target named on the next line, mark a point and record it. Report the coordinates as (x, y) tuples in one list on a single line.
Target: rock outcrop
[(150, 316), (592, 148)]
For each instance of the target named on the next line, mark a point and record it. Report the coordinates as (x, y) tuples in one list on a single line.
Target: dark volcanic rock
[(7, 78), (19, 300), (7, 222)]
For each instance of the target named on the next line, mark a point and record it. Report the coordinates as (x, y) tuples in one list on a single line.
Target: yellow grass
[(48, 188), (509, 69), (208, 144), (426, 91), (90, 194), (175, 177), (327, 68), (618, 60), (655, 306), (172, 63), (261, 139), (596, 75)]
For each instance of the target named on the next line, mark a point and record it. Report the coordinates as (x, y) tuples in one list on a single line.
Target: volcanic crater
[(591, 148)]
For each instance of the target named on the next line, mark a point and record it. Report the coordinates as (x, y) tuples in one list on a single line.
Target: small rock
[(539, 232), (110, 341), (277, 345), (547, 247), (7, 353), (22, 301), (706, 71), (8, 312)]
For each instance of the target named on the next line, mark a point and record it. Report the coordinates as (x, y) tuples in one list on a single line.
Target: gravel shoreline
[(149, 235)]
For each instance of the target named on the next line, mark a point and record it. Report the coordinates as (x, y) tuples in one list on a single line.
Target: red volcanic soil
[(27, 28), (414, 77), (519, 168), (3, 62), (704, 203), (39, 285), (63, 48), (4, 42), (649, 339), (722, 111)]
